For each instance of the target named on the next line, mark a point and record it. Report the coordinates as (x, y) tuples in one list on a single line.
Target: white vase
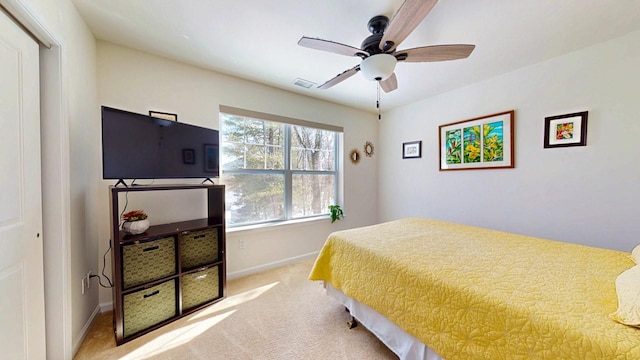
[(136, 227)]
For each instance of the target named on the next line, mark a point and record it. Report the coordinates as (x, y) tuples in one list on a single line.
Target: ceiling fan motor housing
[(371, 44), (376, 26)]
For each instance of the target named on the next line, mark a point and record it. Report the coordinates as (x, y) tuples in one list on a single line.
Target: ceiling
[(257, 39)]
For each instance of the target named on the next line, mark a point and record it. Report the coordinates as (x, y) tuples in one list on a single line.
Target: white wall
[(586, 195), (139, 82), (84, 171)]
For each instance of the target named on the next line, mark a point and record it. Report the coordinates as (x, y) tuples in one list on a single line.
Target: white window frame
[(287, 172)]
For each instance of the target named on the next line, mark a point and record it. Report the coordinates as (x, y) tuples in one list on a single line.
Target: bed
[(433, 289)]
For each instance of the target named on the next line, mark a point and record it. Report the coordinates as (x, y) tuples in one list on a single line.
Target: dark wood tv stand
[(170, 270)]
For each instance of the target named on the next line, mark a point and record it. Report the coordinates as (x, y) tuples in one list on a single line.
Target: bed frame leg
[(352, 323)]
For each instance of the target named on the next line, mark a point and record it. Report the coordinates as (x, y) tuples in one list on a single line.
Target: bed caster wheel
[(352, 323)]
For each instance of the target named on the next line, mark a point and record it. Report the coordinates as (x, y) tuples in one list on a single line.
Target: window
[(276, 168)]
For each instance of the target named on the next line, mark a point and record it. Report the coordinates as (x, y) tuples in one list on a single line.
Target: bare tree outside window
[(275, 171)]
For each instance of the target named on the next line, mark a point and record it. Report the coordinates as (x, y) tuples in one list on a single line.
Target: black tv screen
[(136, 146)]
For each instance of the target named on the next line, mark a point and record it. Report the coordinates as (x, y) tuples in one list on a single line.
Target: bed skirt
[(406, 346)]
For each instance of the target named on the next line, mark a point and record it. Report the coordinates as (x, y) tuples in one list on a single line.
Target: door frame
[(54, 137)]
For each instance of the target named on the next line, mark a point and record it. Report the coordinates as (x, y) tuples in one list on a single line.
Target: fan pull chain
[(378, 101)]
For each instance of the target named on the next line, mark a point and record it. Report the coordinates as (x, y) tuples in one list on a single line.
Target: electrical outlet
[(86, 282), (88, 279), (241, 244)]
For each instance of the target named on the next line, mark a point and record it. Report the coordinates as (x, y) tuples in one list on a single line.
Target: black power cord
[(104, 265), (104, 257)]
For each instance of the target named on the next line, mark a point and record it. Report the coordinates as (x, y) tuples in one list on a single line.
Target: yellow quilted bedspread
[(473, 293)]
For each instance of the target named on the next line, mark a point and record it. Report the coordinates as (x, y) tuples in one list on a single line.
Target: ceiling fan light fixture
[(378, 67)]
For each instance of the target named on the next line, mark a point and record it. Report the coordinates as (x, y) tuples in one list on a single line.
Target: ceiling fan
[(379, 52)]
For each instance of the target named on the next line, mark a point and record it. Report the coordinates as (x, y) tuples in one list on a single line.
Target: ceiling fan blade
[(390, 84), (330, 46), (435, 53), (407, 18), (340, 77)]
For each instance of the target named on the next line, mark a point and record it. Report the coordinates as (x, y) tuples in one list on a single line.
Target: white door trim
[(56, 206), (29, 21)]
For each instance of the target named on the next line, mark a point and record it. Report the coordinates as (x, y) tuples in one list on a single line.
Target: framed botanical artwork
[(566, 130), (484, 142), (412, 150), (163, 115)]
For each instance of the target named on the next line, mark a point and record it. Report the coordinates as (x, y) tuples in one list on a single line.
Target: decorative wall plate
[(368, 148), (354, 156)]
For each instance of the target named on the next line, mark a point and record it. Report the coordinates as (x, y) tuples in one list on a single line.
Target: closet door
[(22, 334)]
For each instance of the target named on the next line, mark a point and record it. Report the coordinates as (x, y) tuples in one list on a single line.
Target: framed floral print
[(566, 130), (484, 142)]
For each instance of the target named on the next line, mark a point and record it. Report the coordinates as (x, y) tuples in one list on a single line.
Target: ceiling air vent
[(303, 83)]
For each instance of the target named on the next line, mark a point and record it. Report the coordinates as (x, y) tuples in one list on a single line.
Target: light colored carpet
[(277, 314)]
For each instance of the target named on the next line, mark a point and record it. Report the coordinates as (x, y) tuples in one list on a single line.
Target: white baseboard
[(85, 330), (104, 307), (257, 269)]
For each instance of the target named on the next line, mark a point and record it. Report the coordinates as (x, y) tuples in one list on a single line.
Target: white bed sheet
[(405, 345)]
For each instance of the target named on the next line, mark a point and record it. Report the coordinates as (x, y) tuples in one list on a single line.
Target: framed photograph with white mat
[(412, 149), (566, 130)]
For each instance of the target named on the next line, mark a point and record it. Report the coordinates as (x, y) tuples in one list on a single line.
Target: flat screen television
[(137, 146)]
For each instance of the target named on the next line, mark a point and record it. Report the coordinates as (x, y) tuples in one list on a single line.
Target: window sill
[(277, 224)]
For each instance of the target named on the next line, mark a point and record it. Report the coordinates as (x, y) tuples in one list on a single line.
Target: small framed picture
[(412, 150), (189, 156), (163, 115), (566, 130)]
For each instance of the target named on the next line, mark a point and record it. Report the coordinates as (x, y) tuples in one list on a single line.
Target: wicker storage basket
[(199, 248), (200, 287), (148, 261), (148, 307)]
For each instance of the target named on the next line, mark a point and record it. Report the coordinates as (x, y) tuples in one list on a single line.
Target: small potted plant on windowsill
[(336, 213), (135, 222)]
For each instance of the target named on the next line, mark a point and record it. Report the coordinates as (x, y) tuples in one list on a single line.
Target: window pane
[(312, 149), (251, 144), (254, 198), (263, 157), (312, 194), (253, 154)]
